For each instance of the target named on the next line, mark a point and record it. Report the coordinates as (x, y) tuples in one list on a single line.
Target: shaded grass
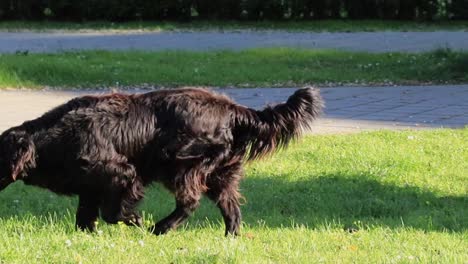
[(275, 67), (313, 26), (374, 197)]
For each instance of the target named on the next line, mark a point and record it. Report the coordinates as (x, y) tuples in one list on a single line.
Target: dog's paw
[(86, 227), (159, 229), (134, 220)]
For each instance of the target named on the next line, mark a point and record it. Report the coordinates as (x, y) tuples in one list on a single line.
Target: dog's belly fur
[(166, 162), (55, 183)]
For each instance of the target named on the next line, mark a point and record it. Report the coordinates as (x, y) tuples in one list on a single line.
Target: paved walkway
[(349, 109), (198, 41)]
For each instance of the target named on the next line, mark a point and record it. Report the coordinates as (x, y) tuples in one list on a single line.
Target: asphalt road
[(201, 41)]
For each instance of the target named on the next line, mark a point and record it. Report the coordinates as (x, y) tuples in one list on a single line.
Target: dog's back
[(171, 119)]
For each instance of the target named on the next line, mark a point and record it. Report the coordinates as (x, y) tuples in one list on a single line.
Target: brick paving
[(348, 109)]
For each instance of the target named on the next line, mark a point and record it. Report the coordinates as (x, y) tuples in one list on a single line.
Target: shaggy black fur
[(107, 148)]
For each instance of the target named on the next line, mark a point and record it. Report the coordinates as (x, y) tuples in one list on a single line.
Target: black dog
[(107, 148)]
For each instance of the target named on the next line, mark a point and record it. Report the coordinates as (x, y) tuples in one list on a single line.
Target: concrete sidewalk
[(212, 40), (348, 109)]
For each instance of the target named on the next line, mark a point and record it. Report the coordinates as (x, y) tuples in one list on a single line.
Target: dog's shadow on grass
[(346, 201), (350, 202)]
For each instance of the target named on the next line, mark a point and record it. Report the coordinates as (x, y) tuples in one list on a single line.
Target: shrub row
[(232, 9)]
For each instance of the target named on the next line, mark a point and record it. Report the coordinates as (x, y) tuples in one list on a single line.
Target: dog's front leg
[(119, 188), (119, 204), (87, 213)]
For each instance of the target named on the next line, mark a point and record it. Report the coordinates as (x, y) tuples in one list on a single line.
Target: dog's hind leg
[(188, 191), (223, 189), (184, 209), (87, 213)]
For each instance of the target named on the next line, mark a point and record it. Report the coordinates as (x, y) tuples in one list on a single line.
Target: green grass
[(312, 26), (380, 197), (275, 67)]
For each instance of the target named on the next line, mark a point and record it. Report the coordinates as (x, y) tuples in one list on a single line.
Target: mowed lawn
[(378, 197), (272, 67)]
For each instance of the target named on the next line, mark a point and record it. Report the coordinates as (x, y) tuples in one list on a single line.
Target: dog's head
[(17, 153)]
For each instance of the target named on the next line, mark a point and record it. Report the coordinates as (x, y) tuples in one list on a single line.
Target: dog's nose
[(4, 183)]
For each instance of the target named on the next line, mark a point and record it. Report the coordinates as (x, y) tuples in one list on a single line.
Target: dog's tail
[(258, 133)]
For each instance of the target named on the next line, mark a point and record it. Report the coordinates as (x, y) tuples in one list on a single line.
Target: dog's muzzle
[(4, 183)]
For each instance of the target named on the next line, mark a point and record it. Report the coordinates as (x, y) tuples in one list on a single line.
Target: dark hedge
[(119, 10)]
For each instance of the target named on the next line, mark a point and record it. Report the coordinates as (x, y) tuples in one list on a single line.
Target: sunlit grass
[(274, 67), (380, 197)]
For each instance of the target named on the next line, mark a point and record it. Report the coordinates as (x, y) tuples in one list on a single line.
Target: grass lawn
[(380, 197), (312, 26), (274, 67)]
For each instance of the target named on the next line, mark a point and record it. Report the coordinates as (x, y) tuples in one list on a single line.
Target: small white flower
[(411, 137), (68, 243), (141, 242), (99, 232)]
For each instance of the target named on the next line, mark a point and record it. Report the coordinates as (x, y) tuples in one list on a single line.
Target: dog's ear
[(20, 152)]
